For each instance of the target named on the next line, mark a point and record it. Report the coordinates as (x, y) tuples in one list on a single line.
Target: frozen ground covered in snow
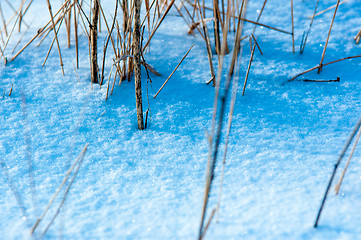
[(149, 184)]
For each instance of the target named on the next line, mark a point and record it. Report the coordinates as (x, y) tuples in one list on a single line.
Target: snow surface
[(149, 184)]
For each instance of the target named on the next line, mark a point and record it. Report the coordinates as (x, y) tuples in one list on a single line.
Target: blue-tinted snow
[(149, 184)]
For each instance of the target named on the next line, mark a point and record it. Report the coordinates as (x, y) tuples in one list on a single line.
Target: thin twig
[(208, 44), (175, 69), (305, 36), (328, 9), (293, 29), (248, 69), (316, 67), (356, 128), (328, 37), (337, 187), (107, 41), (56, 37)]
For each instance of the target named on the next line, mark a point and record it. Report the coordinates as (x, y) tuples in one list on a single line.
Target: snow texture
[(284, 142)]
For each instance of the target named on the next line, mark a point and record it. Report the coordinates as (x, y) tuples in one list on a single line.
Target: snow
[(284, 142)]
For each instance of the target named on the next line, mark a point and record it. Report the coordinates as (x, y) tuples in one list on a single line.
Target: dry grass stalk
[(259, 16), (94, 69), (304, 37), (107, 41), (79, 158), (194, 24), (20, 39), (11, 89), (337, 187), (216, 26), (330, 8), (175, 69), (18, 12), (56, 36), (68, 25), (84, 26), (137, 65), (253, 22), (215, 136), (248, 69), (233, 103), (318, 66), (293, 29), (11, 18), (328, 37), (158, 24), (110, 74), (147, 16), (54, 39), (255, 41), (9, 36), (357, 38), (209, 49), (40, 31), (76, 38), (208, 223), (356, 128)]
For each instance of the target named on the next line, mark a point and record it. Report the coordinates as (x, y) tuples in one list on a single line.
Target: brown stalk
[(237, 48), (293, 29), (84, 27), (328, 37), (253, 22), (146, 17), (94, 43), (304, 37), (68, 25), (11, 89), (47, 31), (9, 36), (107, 41), (209, 49), (56, 36), (259, 49), (51, 46), (215, 136), (328, 9), (110, 74), (106, 25), (194, 25), (20, 17), (191, 28), (216, 26), (259, 16), (137, 65), (318, 66), (175, 69), (358, 36), (17, 11), (76, 39), (11, 18), (156, 28), (208, 223), (20, 39), (248, 69), (337, 187)]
